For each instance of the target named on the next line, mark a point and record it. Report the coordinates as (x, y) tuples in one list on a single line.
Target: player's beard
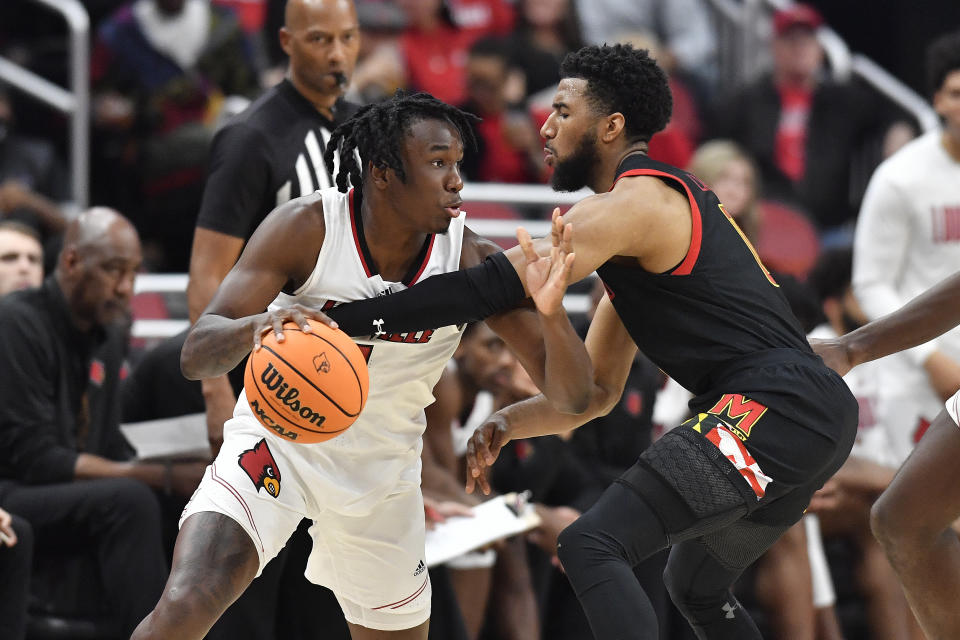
[(576, 171)]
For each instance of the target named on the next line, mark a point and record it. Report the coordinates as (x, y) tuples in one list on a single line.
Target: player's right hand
[(834, 353), (298, 314), (547, 277), (483, 447)]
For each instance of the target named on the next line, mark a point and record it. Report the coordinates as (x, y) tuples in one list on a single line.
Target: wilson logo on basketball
[(258, 463), (321, 363), (287, 394)]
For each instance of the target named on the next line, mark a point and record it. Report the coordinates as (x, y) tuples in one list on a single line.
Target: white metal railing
[(896, 91), (75, 102)]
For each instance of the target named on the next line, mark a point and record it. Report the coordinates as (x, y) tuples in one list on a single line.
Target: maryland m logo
[(739, 412)]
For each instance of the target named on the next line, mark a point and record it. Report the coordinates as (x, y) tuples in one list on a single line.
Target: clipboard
[(493, 520)]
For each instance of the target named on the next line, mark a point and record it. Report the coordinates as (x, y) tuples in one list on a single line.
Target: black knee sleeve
[(581, 546)]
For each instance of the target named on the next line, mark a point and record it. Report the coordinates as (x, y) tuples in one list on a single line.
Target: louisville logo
[(321, 363), (259, 465)]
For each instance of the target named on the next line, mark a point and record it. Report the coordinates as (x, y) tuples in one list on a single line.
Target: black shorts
[(739, 460)]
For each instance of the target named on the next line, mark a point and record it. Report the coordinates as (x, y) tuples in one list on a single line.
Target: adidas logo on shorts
[(420, 569)]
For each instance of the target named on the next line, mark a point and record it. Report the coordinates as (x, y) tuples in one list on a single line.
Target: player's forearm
[(215, 345), (536, 416), (925, 317), (442, 300), (568, 371)]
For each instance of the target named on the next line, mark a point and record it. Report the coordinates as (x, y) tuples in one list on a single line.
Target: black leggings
[(600, 549)]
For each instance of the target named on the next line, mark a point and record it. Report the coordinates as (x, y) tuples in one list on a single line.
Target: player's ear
[(380, 176), (612, 127)]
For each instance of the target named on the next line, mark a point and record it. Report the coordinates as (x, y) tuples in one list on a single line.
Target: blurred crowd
[(793, 155)]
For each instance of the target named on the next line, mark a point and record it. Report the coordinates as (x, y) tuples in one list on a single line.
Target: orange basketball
[(310, 387)]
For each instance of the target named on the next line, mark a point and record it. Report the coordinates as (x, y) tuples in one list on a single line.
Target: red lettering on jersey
[(742, 411), (329, 304), (365, 349), (409, 337), (946, 223)]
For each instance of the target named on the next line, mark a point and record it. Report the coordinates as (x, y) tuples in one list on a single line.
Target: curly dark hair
[(621, 78), (943, 57), (377, 130)]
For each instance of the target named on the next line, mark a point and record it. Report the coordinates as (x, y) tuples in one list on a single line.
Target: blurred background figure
[(33, 183), (683, 26), (21, 257), (732, 175), (545, 31), (784, 239), (804, 127), (436, 42), (161, 70), (509, 148)]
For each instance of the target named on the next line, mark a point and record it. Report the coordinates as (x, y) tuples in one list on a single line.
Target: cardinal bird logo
[(258, 463), (321, 363)]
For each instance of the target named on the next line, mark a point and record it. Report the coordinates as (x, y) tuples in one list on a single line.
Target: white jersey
[(382, 448), (907, 240)]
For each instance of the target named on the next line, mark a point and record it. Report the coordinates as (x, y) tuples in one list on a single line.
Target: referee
[(268, 154)]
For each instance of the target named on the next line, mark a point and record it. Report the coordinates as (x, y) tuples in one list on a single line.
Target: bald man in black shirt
[(64, 465)]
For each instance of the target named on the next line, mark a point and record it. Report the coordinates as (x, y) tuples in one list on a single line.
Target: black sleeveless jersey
[(716, 315)]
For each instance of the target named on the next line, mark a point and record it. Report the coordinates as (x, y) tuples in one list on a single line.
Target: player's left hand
[(548, 277), (483, 447)]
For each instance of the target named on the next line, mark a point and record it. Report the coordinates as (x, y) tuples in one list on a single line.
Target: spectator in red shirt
[(510, 150), (803, 126)]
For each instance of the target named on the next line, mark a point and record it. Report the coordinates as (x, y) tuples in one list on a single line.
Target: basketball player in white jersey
[(400, 224), (912, 519)]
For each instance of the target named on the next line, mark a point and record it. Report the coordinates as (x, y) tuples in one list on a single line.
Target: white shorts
[(953, 407), (374, 563)]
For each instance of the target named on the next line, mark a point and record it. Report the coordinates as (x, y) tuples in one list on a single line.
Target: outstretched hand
[(548, 277)]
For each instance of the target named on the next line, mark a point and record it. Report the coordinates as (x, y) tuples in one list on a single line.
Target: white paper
[(182, 437), (491, 521)]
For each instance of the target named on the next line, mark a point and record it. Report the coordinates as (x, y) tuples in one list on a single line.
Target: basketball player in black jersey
[(771, 423)]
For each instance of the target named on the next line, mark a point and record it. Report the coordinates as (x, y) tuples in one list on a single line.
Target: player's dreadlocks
[(626, 80), (377, 131)]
